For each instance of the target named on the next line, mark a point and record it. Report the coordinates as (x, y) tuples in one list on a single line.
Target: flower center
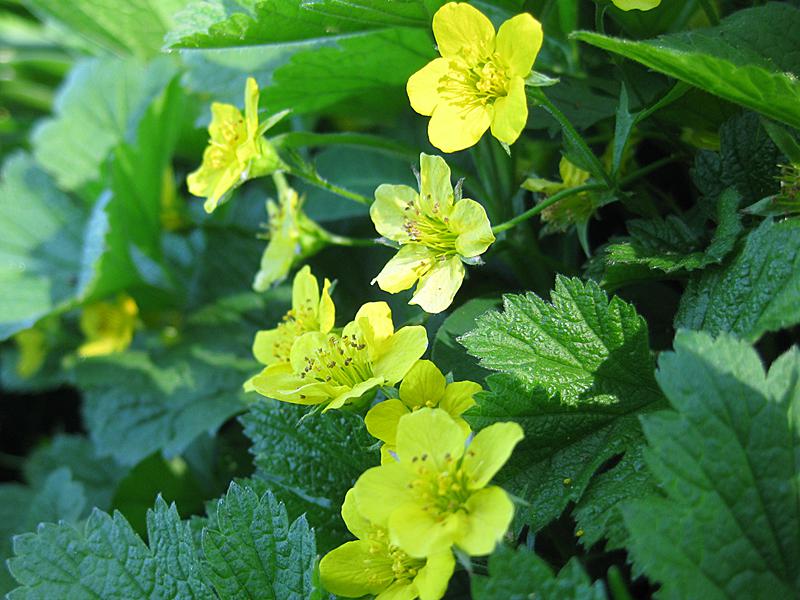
[(442, 491), (474, 82), (403, 566), (341, 360), (432, 231)]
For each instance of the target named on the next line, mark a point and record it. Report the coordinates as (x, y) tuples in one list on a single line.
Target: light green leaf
[(333, 449), (520, 575), (756, 292), (409, 13), (136, 27), (578, 373), (750, 58), (729, 526)]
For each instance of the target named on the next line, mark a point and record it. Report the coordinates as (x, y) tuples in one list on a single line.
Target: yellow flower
[(479, 81), (372, 565), (292, 237), (108, 326), (577, 208), (336, 369), (32, 346), (311, 311), (636, 4), (237, 150), (436, 495), (436, 231), (423, 386)]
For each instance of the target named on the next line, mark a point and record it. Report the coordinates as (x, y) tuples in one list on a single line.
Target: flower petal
[(423, 385), (375, 321), (279, 382), (355, 521), (401, 272), (470, 222), (389, 211), (435, 189), (266, 343), (326, 310), (636, 4), (458, 397), (451, 129), (352, 571), (275, 262), (305, 292), (419, 533), (304, 347), (437, 288), (518, 42), (399, 590), (382, 419), (490, 450), (400, 352), (429, 438), (571, 174), (510, 112), (490, 513), (379, 491), (227, 124), (432, 579), (423, 86), (354, 393), (251, 107), (458, 26)]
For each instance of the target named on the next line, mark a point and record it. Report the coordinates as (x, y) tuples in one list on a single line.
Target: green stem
[(572, 135), (314, 179), (710, 12), (343, 240)]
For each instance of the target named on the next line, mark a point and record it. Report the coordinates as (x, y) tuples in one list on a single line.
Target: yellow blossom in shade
[(577, 208), (311, 311), (336, 369), (108, 326), (636, 4), (436, 230), (479, 81), (436, 495), (372, 565), (236, 151), (292, 237), (423, 386), (32, 347)]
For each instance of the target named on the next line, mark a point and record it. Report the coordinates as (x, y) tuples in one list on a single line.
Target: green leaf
[(409, 13), (756, 292), (750, 58), (99, 106), (48, 246), (520, 575), (136, 28), (729, 525), (578, 374), (333, 449), (253, 552)]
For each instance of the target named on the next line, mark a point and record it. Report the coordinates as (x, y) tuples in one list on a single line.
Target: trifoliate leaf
[(253, 552), (520, 575), (729, 526), (578, 373), (310, 462), (756, 292)]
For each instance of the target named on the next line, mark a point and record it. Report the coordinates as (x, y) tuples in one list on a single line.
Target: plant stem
[(710, 12), (312, 177), (343, 240)]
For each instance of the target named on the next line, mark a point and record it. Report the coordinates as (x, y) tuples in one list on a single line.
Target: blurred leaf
[(749, 58)]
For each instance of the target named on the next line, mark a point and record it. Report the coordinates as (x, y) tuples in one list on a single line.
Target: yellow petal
[(375, 321), (435, 189), (32, 346), (326, 311), (399, 590), (490, 512), (227, 124), (436, 290), (266, 344), (352, 571), (458, 397), (305, 291), (429, 438), (423, 385), (470, 222), (379, 491), (390, 209), (571, 174), (490, 450), (510, 112), (354, 393), (419, 533), (636, 4), (452, 129), (306, 347), (423, 86), (251, 107), (355, 521), (458, 26), (400, 352), (432, 579), (401, 272), (518, 42), (382, 419), (279, 382)]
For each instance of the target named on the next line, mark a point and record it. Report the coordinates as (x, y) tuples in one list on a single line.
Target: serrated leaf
[(520, 575), (99, 106), (253, 552), (750, 58), (756, 292), (729, 525), (310, 462), (48, 246), (578, 373)]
